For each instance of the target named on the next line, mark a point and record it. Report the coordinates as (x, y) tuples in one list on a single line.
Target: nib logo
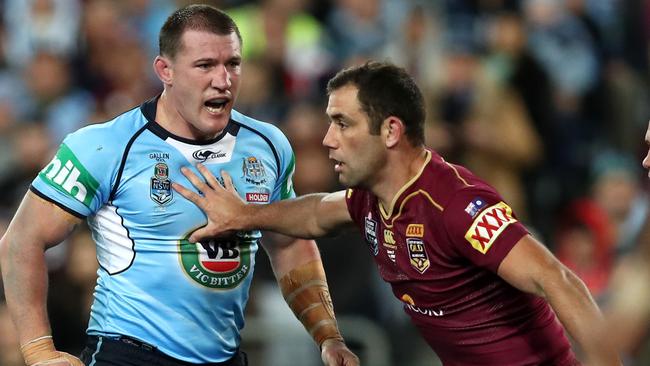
[(68, 175)]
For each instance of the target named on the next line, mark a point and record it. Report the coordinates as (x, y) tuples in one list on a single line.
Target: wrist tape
[(305, 290), (41, 351)]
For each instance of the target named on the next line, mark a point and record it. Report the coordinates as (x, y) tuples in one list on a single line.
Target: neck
[(168, 117), (399, 169)]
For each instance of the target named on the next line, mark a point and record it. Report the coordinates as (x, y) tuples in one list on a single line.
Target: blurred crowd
[(548, 100)]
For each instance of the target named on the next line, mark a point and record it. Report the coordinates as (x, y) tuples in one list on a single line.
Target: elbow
[(559, 278)]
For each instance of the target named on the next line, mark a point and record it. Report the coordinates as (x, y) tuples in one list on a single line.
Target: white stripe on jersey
[(114, 247)]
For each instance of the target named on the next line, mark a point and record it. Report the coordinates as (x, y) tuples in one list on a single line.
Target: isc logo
[(70, 177)]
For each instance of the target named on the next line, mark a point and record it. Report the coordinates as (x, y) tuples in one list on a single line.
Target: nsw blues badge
[(160, 189)]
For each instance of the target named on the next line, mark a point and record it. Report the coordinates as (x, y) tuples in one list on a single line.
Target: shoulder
[(109, 136), (447, 183), (264, 130)]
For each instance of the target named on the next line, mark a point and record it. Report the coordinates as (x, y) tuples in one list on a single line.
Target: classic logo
[(66, 174), (371, 235), (160, 190), (257, 197), (488, 226), (253, 171), (416, 230), (418, 254), (217, 264), (207, 154)]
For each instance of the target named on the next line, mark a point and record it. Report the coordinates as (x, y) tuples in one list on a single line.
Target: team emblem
[(418, 254), (253, 171), (487, 226), (371, 235), (217, 264), (161, 187)]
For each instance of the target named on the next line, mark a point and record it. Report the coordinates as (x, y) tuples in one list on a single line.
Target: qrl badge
[(418, 254), (161, 187), (217, 264), (487, 226)]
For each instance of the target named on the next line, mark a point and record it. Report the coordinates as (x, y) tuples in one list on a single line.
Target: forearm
[(24, 276), (581, 317), (302, 280), (298, 217)]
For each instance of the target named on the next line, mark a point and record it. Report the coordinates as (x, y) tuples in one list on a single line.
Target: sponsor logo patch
[(487, 226), (216, 264), (257, 197), (286, 190), (371, 235), (418, 254), (66, 174), (410, 304), (159, 156), (416, 230), (389, 240), (475, 206), (208, 154)]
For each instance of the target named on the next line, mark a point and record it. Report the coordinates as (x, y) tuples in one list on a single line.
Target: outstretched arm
[(310, 216), (532, 268), (36, 226)]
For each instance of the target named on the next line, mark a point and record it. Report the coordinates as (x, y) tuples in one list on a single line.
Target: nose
[(221, 78), (329, 140), (646, 160)]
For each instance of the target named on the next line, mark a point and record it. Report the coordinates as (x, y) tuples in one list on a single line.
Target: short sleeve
[(284, 187), (78, 177), (481, 227)]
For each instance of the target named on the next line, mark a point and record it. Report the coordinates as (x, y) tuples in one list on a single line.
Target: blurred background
[(545, 99)]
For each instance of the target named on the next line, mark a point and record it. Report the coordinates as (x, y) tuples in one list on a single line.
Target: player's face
[(358, 156), (205, 78), (646, 160)]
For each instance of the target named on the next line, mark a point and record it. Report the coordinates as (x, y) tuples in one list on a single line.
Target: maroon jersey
[(439, 246)]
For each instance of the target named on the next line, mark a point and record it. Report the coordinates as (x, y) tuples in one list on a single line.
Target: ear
[(393, 130), (162, 68)]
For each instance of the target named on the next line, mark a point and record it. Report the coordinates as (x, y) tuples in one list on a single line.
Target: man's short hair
[(385, 90), (196, 17)]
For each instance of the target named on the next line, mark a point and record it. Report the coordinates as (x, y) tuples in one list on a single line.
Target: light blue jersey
[(186, 299)]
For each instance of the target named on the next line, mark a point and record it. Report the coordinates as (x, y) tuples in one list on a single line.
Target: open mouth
[(216, 105), (337, 165)]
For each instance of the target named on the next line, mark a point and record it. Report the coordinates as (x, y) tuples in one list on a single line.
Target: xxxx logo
[(487, 226), (217, 264)]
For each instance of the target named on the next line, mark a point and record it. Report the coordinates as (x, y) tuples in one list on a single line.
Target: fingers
[(197, 182), (198, 235), (190, 195), (209, 178), (227, 181)]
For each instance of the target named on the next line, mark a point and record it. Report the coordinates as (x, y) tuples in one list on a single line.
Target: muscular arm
[(310, 216), (36, 226), (532, 268)]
